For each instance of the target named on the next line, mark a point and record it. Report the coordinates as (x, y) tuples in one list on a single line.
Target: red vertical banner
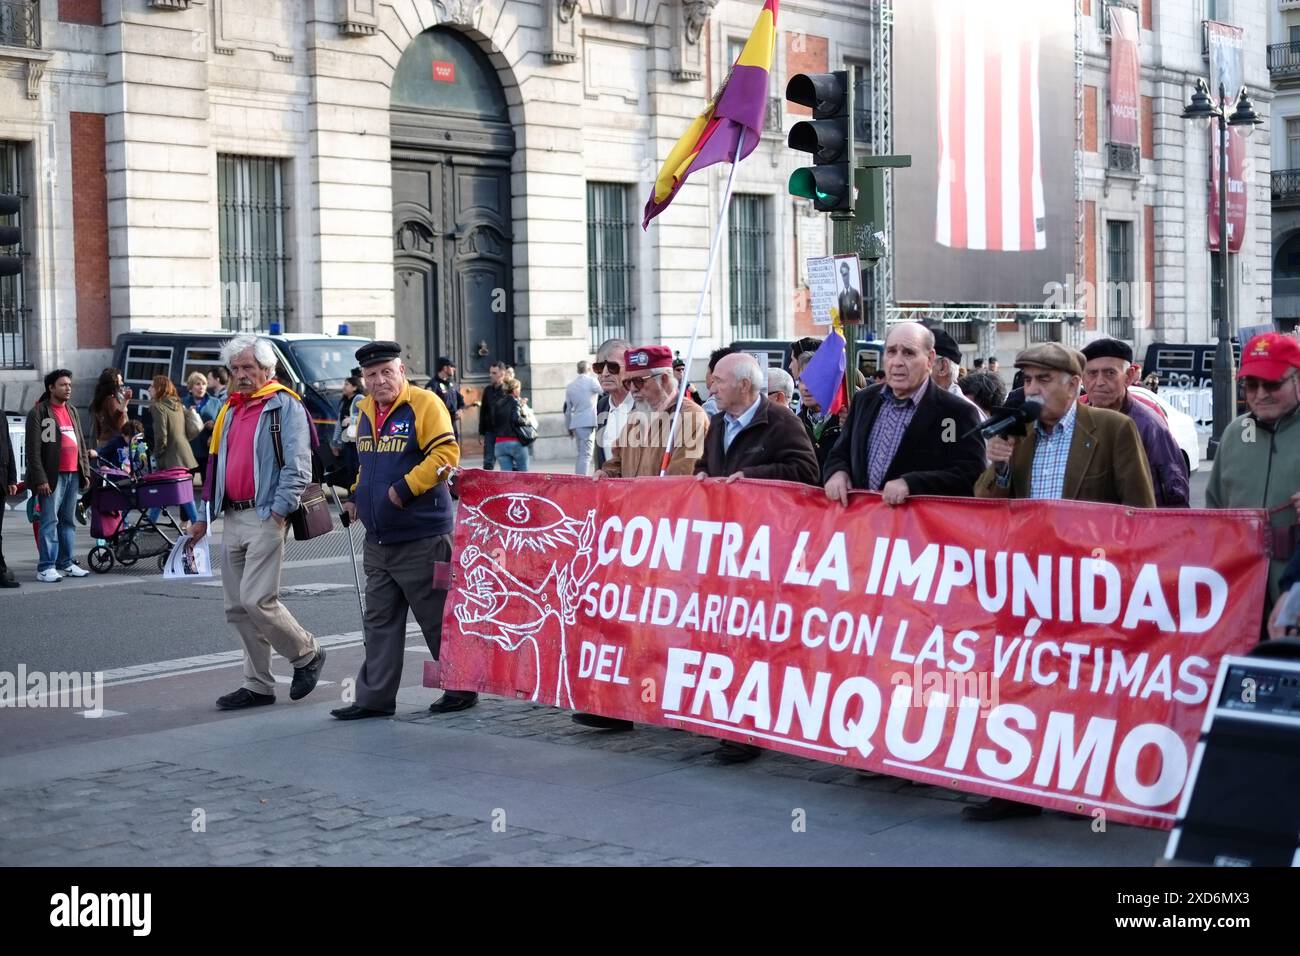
[(1125, 73), (1226, 74)]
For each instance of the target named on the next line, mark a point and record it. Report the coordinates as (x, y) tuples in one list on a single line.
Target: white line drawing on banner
[(498, 607)]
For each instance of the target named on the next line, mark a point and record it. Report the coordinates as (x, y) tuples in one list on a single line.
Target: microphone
[(1009, 421)]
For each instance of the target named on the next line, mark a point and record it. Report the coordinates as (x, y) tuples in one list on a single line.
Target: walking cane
[(347, 520)]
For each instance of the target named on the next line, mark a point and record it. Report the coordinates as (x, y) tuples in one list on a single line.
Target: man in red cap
[(638, 452), (1258, 462)]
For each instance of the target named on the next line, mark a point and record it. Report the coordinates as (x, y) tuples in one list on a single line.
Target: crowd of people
[(914, 431)]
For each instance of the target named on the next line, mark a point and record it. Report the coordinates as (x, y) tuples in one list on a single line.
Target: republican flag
[(990, 188), (739, 107), (824, 374)]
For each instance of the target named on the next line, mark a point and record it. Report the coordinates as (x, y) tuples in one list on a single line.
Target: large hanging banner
[(1226, 73), (1057, 653), (1125, 76)]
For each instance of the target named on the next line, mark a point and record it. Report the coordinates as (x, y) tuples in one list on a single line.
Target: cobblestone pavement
[(509, 718), (144, 815)]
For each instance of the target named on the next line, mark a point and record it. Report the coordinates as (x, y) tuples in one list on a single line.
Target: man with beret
[(947, 366), (1072, 452), (406, 451), (444, 386), (1258, 462), (907, 436), (1107, 374)]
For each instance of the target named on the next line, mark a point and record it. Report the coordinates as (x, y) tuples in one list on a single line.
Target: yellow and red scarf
[(237, 400)]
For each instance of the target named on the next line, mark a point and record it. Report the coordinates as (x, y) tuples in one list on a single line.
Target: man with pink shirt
[(57, 471), (247, 483)]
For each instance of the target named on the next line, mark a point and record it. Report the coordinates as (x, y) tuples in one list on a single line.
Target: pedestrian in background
[(580, 397), (780, 388), (171, 449), (218, 383), (985, 389), (511, 413), (108, 410), (344, 441), (207, 408), (8, 485), (613, 407), (488, 427), (58, 469), (444, 385)]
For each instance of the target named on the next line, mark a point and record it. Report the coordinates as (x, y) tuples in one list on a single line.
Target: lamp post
[(1205, 111)]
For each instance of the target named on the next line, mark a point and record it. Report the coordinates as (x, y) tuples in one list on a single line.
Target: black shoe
[(7, 579), (999, 809), (305, 677), (729, 752), (244, 698), (81, 513), (357, 712), (602, 723), (452, 701)]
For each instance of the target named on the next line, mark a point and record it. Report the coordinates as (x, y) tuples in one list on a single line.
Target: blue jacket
[(277, 490), (413, 454)]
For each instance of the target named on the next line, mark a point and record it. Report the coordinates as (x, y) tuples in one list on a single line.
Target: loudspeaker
[(1241, 803)]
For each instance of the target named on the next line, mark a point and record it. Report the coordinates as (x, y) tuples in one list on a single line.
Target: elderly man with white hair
[(750, 437), (780, 387), (256, 486)]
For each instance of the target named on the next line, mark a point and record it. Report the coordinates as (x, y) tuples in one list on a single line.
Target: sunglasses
[(1253, 384), (635, 384), (600, 367)]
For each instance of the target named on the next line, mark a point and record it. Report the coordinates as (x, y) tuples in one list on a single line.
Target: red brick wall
[(90, 224), (1149, 270), (1147, 14), (805, 53), (80, 11), (1148, 128), (1087, 8), (1090, 119), (1090, 261)]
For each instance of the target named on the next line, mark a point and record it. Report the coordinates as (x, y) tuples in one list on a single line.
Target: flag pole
[(699, 309)]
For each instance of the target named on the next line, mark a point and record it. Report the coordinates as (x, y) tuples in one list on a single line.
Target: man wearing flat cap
[(1107, 374), (1072, 452), (406, 451)]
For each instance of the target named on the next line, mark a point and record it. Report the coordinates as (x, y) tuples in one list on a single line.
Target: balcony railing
[(1286, 186), (1284, 59), (1124, 159), (1288, 4), (20, 23)]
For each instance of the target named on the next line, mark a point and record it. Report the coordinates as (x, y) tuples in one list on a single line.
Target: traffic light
[(10, 265), (828, 136)]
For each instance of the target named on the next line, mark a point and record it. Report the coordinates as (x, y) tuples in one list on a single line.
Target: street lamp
[(1204, 111)]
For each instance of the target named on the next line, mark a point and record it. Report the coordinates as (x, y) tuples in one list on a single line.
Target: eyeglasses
[(1253, 384), (636, 384), (600, 367)]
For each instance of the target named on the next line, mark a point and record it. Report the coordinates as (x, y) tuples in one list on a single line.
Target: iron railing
[(1284, 59), (1286, 185), (1123, 158)]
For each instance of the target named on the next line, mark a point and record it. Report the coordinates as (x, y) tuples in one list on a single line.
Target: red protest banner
[(1057, 653)]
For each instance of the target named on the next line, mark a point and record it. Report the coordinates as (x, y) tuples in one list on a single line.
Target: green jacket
[(1258, 466)]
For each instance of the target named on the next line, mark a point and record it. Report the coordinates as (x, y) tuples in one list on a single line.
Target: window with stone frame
[(748, 260), (1120, 292), (610, 269), (251, 229)]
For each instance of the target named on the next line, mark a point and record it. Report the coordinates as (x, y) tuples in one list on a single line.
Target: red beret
[(644, 358)]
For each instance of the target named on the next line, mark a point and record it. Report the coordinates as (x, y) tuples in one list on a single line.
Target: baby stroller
[(115, 495)]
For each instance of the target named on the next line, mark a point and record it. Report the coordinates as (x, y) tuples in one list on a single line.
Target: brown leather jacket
[(639, 451)]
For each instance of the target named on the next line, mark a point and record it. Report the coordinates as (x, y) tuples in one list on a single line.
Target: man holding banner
[(1073, 452), (907, 437)]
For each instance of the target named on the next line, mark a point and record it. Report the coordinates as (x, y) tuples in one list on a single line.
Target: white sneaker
[(49, 576), (74, 571)]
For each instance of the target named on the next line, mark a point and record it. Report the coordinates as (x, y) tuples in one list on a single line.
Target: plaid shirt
[(887, 432), (1047, 480)]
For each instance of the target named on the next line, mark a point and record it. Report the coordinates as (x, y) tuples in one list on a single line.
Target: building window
[(1293, 143), (250, 197), (1293, 33), (13, 299), (747, 253), (1045, 330), (609, 263), (1119, 278), (20, 23)]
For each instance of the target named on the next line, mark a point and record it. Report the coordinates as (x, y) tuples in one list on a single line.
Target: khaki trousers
[(250, 577)]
